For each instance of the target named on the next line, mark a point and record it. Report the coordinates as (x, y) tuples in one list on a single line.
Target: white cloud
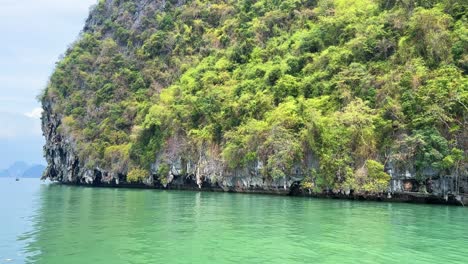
[(19, 126), (36, 113)]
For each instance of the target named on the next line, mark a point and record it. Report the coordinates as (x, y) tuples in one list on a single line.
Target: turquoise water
[(41, 223)]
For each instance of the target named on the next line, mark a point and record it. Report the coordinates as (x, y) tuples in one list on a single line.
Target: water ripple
[(61, 224)]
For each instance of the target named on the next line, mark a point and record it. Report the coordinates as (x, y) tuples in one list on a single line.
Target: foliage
[(137, 175)]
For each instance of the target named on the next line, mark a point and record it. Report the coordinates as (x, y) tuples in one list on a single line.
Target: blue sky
[(33, 34)]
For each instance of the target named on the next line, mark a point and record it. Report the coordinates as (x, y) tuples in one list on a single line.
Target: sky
[(33, 35)]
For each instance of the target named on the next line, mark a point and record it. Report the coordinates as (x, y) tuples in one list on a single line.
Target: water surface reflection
[(85, 225)]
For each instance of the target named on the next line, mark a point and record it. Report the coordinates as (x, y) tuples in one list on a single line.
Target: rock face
[(64, 166), (62, 163)]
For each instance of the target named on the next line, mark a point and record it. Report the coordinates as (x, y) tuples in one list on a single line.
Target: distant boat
[(17, 179)]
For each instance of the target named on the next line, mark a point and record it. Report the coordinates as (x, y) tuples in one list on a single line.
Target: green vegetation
[(357, 84), (137, 175)]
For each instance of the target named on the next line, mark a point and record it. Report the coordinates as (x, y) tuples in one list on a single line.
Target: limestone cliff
[(290, 97)]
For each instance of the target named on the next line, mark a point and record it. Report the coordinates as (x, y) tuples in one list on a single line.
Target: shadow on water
[(88, 225)]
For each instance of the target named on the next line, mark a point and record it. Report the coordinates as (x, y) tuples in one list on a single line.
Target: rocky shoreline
[(188, 184), (398, 197)]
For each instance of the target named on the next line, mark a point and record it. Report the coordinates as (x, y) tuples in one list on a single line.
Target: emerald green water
[(50, 224)]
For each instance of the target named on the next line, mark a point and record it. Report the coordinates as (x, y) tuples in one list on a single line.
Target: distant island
[(23, 170)]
